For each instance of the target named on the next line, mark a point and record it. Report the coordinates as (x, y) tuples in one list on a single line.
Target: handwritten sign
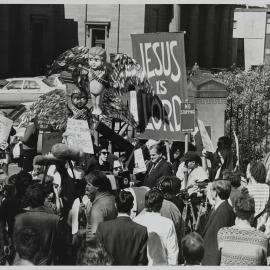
[(5, 127), (207, 143), (78, 135), (139, 161), (162, 57)]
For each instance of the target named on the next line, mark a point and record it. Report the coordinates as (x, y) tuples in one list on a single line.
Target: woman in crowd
[(242, 244)]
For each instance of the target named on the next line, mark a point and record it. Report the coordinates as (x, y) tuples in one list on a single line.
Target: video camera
[(120, 181), (123, 179), (201, 186)]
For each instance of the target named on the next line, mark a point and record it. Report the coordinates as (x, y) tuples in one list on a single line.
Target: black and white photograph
[(135, 133)]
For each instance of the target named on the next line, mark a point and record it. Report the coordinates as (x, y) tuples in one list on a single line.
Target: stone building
[(33, 35), (251, 37)]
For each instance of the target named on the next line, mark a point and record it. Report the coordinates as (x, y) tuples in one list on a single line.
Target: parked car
[(23, 90)]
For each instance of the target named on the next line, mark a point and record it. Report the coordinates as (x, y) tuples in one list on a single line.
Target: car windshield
[(16, 84)]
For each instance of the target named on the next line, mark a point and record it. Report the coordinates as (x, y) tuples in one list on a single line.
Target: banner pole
[(168, 151), (186, 142)]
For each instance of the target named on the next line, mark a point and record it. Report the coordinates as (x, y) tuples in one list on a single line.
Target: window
[(17, 84), (268, 28), (97, 33), (234, 24), (31, 85)]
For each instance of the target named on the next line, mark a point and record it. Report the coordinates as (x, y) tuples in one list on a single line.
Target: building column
[(4, 44), (175, 23), (194, 35), (224, 38), (209, 42)]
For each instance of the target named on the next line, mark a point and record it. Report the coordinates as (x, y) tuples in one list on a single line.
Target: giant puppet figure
[(92, 75), (97, 76)]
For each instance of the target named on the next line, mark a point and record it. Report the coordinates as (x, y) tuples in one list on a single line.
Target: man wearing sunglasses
[(104, 165)]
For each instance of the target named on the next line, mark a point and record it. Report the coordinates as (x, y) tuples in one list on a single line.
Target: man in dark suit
[(221, 215), (157, 167), (124, 240)]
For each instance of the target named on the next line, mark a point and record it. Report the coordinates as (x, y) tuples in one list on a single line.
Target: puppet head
[(97, 58), (79, 99)]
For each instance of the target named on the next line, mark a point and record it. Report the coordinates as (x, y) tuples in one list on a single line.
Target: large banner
[(162, 57)]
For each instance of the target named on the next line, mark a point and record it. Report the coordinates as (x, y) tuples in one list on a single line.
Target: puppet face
[(79, 100), (95, 62)]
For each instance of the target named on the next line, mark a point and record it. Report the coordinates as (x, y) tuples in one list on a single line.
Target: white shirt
[(218, 204), (162, 245), (197, 174)]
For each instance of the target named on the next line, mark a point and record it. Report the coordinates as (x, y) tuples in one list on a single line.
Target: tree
[(247, 110)]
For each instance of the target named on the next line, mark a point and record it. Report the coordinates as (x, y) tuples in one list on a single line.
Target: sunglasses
[(105, 153), (117, 168)]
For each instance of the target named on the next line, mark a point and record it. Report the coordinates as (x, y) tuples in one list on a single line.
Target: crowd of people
[(69, 208)]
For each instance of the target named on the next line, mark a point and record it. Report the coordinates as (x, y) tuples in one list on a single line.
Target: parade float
[(87, 75)]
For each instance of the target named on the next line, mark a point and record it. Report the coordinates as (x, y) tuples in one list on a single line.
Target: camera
[(123, 179)]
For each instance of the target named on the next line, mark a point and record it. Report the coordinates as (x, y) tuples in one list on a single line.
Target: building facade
[(208, 28), (251, 37), (33, 35)]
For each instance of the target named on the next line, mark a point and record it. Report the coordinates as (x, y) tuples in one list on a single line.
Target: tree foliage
[(247, 110)]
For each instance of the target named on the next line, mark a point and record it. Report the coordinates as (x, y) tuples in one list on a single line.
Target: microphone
[(64, 152), (46, 160)]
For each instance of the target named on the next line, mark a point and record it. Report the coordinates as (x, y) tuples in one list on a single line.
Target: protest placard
[(207, 143), (48, 140), (78, 135), (5, 127), (162, 57), (139, 161)]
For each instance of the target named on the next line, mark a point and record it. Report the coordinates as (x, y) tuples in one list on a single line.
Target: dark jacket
[(154, 172), (47, 225), (125, 241), (223, 216)]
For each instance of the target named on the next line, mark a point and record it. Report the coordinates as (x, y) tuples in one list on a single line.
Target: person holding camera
[(191, 172)]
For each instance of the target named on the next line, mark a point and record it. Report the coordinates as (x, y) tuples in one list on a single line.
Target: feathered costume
[(119, 77)]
